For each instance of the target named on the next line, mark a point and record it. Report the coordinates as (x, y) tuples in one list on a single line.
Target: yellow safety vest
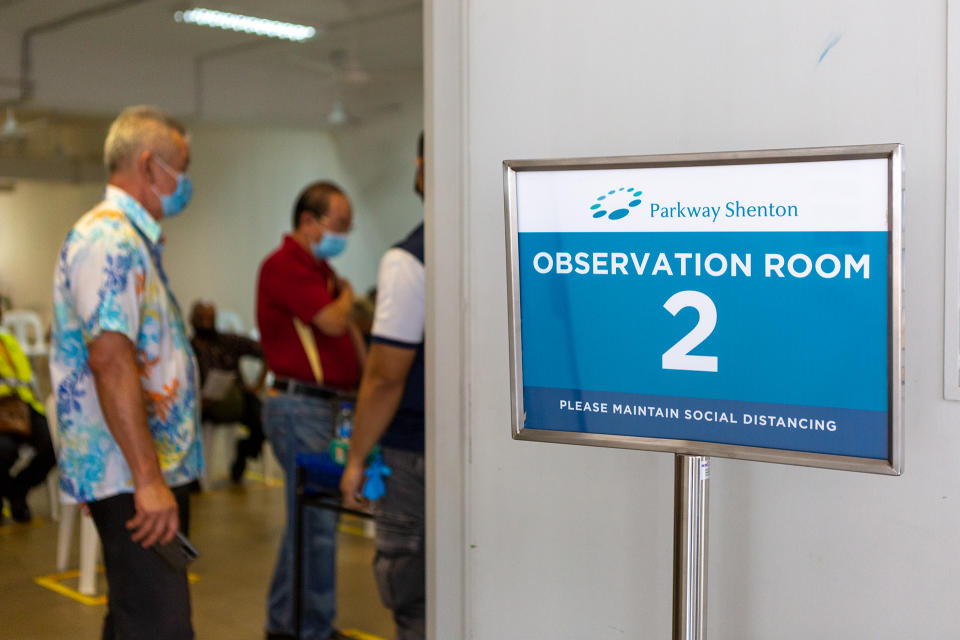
[(16, 375)]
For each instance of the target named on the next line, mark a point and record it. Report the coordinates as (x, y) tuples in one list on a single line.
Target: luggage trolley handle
[(329, 499)]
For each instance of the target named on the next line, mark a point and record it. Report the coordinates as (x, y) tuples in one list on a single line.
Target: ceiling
[(90, 58)]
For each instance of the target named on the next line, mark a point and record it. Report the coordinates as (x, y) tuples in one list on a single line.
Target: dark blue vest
[(407, 429)]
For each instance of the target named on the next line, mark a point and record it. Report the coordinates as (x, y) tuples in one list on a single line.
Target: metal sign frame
[(891, 152)]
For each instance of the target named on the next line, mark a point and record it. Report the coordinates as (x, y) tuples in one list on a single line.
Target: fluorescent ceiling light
[(246, 24)]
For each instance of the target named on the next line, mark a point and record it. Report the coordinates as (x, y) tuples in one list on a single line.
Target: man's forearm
[(377, 402), (334, 319), (344, 307), (117, 379)]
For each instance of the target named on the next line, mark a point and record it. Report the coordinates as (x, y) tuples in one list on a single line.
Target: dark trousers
[(148, 600), (39, 466), (253, 420), (400, 563), (251, 416)]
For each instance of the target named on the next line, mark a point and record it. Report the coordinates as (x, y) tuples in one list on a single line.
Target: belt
[(296, 388)]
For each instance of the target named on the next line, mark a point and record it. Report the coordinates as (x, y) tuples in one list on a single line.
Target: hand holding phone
[(178, 553)]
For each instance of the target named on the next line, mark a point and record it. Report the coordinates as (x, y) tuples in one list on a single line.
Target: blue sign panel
[(724, 309)]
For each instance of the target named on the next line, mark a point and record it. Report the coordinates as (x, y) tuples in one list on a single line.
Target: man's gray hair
[(136, 129)]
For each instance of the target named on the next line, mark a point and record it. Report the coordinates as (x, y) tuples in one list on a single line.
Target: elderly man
[(304, 311), (125, 377)]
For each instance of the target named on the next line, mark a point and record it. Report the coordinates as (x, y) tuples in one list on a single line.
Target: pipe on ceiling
[(200, 60), (26, 41)]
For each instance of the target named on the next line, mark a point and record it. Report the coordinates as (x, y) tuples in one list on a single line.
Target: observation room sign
[(742, 305)]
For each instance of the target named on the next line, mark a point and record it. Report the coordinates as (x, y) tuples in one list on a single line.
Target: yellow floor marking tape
[(360, 635), (259, 477), (10, 527), (54, 583), (353, 525), (262, 483), (350, 529)]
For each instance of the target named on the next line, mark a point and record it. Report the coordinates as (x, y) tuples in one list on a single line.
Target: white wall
[(575, 542), (34, 220), (246, 181), (379, 156)]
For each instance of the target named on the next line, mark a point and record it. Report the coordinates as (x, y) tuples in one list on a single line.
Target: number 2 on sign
[(678, 356)]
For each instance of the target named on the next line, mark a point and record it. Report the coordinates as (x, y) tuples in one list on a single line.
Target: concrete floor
[(237, 531)]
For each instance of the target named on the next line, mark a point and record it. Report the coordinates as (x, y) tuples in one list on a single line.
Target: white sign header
[(847, 195)]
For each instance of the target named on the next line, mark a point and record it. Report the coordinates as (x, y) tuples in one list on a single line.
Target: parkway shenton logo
[(616, 203)]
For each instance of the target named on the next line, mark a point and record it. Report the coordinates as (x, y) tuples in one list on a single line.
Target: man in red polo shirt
[(303, 311)]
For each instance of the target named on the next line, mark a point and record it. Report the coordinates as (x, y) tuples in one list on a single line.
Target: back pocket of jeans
[(400, 579)]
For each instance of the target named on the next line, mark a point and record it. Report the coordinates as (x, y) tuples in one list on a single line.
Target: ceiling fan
[(343, 71), (342, 66), (340, 115), (14, 131)]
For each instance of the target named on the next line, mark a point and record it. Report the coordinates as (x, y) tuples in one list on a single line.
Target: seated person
[(225, 396), (22, 421)]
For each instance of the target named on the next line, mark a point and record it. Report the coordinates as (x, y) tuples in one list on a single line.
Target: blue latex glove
[(374, 487)]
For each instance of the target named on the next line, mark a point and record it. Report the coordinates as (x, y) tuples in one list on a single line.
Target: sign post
[(743, 305), (691, 499)]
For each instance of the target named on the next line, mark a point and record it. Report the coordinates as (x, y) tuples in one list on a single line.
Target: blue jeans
[(299, 424), (400, 563)]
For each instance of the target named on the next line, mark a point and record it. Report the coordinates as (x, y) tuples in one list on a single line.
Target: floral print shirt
[(109, 277)]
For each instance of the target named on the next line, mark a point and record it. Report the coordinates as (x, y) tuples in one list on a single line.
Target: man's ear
[(143, 163)]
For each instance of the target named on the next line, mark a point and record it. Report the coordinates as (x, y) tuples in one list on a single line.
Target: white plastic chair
[(218, 441), (89, 538), (229, 322), (22, 323)]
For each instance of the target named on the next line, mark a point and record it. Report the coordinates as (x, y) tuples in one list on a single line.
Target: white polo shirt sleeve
[(401, 304)]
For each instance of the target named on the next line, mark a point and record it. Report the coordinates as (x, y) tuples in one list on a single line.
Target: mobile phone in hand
[(178, 553)]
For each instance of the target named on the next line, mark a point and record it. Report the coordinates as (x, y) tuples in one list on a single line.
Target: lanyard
[(155, 258)]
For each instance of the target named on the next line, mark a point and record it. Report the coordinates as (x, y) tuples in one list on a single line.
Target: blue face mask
[(174, 203), (331, 245)]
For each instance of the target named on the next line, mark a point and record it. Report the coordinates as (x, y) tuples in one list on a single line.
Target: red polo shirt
[(293, 284)]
